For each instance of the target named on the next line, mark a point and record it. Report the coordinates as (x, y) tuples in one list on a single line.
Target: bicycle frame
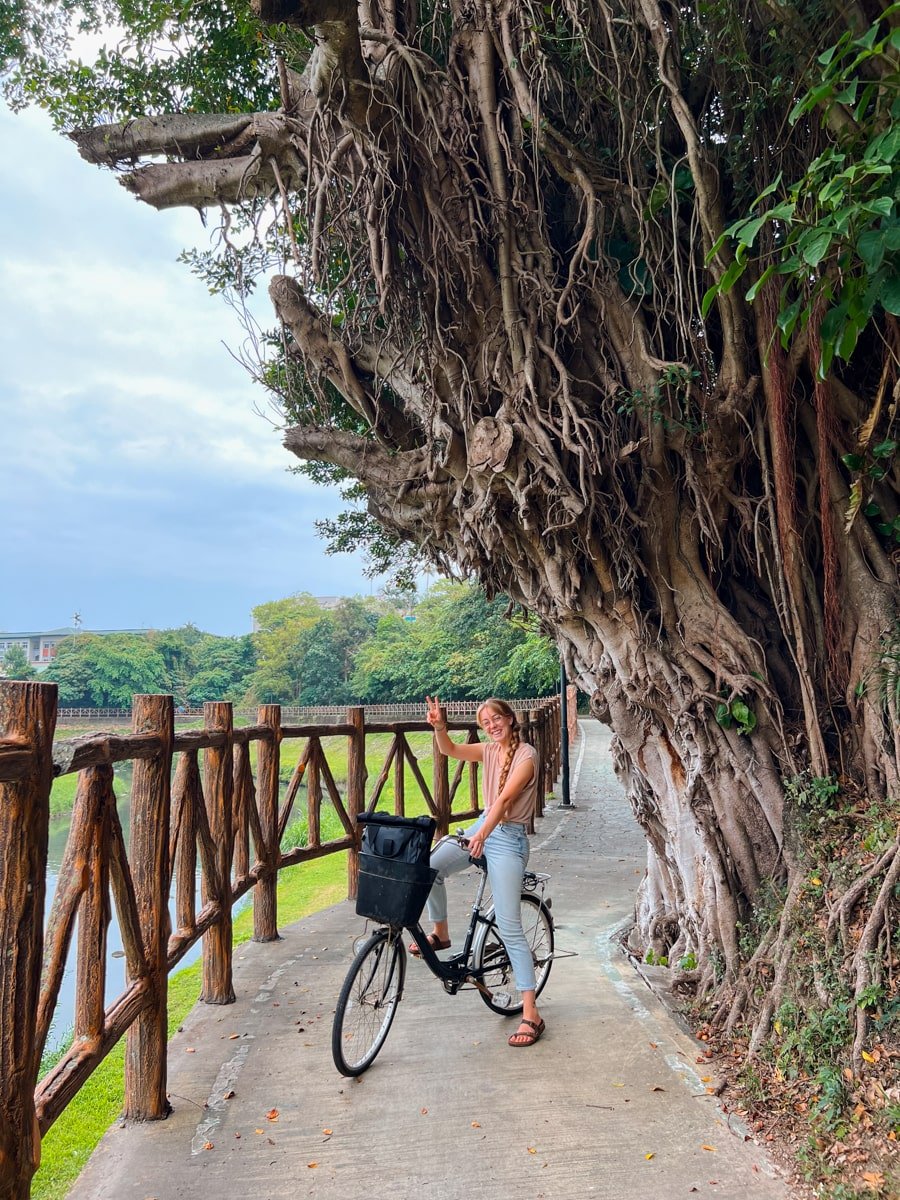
[(455, 971)]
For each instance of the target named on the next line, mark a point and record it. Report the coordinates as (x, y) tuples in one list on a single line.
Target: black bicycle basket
[(394, 875)]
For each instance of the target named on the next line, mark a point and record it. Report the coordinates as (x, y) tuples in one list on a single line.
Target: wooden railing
[(190, 816)]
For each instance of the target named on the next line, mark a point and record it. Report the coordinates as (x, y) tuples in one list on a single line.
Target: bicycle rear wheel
[(490, 958), (368, 1001)]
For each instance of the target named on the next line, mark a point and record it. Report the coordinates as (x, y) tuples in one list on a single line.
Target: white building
[(41, 647)]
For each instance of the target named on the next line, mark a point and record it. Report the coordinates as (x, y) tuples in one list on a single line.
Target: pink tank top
[(522, 808)]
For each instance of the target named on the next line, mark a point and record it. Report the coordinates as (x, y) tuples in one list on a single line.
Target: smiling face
[(494, 723)]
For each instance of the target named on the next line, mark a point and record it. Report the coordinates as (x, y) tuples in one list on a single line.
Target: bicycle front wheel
[(492, 963), (368, 1002)]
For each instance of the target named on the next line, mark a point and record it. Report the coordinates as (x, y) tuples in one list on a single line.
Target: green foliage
[(102, 671), (16, 664), (688, 962), (186, 56), (671, 402), (736, 713), (652, 959), (460, 646), (836, 229)]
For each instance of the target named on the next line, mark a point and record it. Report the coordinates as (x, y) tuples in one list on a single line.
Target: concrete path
[(610, 1103)]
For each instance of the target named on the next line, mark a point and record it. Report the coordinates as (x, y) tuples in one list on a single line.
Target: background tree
[(106, 671), (16, 664), (514, 234)]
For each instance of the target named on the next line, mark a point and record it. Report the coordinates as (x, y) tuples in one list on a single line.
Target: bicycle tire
[(368, 1002), (489, 956)]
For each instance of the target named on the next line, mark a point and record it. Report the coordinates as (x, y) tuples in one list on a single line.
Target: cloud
[(138, 480)]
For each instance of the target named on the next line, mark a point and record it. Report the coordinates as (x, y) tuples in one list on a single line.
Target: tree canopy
[(595, 301)]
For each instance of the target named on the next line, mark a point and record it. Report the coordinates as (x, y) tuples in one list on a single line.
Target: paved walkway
[(610, 1103)]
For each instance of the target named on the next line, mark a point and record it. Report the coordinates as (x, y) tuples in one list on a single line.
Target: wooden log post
[(356, 789), (145, 1043), (441, 787), (186, 790), (314, 798), (27, 717), (95, 789), (218, 785), (536, 729), (268, 764)]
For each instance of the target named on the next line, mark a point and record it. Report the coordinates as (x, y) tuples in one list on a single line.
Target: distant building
[(41, 647)]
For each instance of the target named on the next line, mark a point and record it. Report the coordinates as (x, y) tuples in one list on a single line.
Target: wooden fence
[(196, 809)]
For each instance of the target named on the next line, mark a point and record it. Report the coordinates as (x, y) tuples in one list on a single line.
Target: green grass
[(69, 1143)]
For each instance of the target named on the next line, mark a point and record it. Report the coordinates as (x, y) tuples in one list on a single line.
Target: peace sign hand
[(433, 713)]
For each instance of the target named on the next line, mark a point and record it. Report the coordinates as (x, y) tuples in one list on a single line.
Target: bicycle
[(373, 988)]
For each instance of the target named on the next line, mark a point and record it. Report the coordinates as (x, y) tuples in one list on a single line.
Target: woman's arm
[(467, 751)]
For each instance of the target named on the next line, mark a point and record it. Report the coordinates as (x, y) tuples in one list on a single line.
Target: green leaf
[(846, 343), (723, 716), (731, 276), (773, 187), (871, 509), (853, 462), (813, 246), (787, 319), (884, 449), (882, 207), (753, 291), (748, 234), (892, 236), (708, 297), (744, 716), (871, 248), (890, 295)]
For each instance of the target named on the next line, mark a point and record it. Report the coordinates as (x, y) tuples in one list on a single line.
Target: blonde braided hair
[(501, 707)]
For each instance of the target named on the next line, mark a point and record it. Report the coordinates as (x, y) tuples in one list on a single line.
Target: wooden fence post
[(356, 789), (27, 716), (94, 911), (218, 785), (441, 790), (265, 903), (145, 1042), (537, 740)]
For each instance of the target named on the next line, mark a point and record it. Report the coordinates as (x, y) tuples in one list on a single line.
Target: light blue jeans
[(506, 851)]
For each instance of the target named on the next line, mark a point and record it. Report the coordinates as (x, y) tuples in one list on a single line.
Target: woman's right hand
[(433, 711)]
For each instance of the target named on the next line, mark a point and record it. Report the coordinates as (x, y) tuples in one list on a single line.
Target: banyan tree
[(595, 301)]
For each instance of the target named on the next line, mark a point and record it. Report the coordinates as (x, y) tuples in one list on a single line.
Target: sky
[(139, 485)]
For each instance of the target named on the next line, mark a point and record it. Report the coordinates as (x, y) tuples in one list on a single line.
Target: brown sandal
[(529, 1038), (434, 942)]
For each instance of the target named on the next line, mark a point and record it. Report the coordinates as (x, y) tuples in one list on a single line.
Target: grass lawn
[(68, 1145)]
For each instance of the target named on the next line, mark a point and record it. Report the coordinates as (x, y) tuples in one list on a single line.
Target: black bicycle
[(373, 988)]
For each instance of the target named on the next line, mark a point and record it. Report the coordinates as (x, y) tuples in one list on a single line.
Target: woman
[(510, 792)]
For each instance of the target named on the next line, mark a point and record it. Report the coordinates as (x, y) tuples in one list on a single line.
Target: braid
[(510, 754)]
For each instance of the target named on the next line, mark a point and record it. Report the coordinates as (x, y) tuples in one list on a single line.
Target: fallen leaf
[(312, 1164), (648, 1156), (257, 1130), (531, 1150), (657, 1089), (232, 1036), (208, 1146), (272, 1114), (228, 1095), (237, 1135), (327, 1132), (712, 1150), (476, 1125), (653, 1045), (870, 1058), (874, 1177), (424, 1112), (705, 1078), (189, 1050)]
